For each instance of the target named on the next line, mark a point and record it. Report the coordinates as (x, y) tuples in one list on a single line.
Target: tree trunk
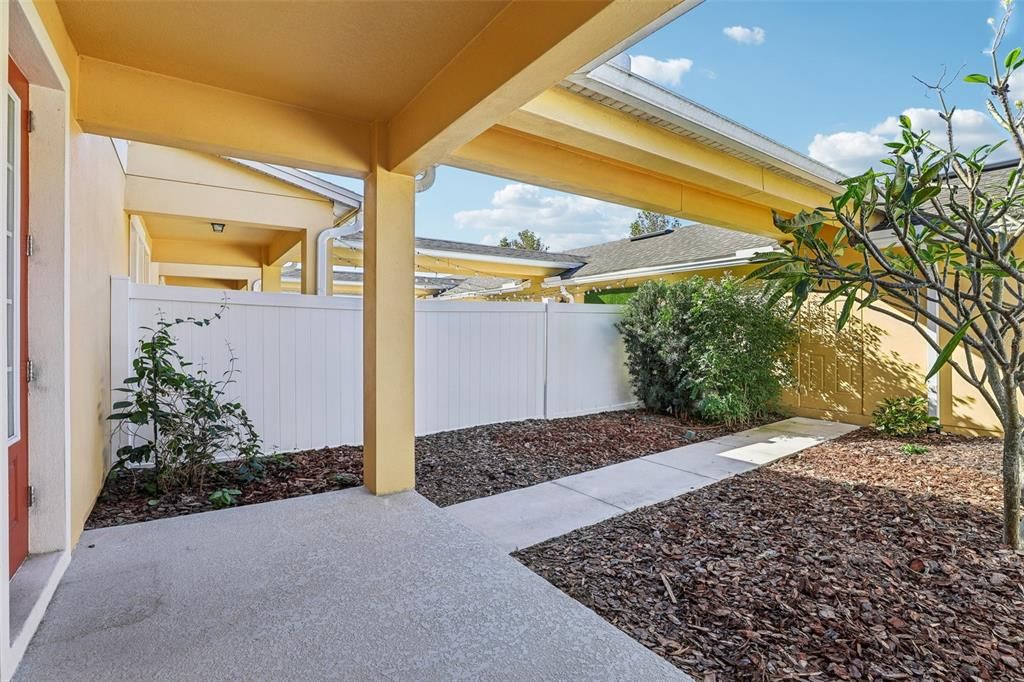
[(1012, 456)]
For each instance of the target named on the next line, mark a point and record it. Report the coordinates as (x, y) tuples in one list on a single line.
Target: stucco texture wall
[(99, 249)]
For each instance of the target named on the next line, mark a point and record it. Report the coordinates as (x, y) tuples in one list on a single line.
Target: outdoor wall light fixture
[(217, 227)]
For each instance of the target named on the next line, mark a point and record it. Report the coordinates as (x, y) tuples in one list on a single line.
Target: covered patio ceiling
[(306, 84)]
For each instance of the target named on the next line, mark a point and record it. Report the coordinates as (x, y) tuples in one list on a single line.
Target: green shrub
[(904, 416), (913, 449), (177, 418), (716, 349)]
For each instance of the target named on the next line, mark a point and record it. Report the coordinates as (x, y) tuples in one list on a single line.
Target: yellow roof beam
[(130, 103), (513, 155), (564, 118), (222, 204), (283, 248), (528, 47)]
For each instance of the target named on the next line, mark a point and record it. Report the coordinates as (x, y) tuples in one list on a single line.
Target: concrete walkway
[(528, 516), (340, 586)]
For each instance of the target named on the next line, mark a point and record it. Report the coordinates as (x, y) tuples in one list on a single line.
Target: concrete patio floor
[(335, 586)]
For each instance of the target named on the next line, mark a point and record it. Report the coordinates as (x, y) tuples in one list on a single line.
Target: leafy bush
[(177, 418), (913, 449), (716, 349), (904, 416)]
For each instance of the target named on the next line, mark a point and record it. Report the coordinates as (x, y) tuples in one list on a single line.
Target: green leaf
[(801, 220), (844, 316), (1011, 57), (905, 121), (975, 78), (947, 350)]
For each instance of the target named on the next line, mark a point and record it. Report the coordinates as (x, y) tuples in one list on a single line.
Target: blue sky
[(820, 76)]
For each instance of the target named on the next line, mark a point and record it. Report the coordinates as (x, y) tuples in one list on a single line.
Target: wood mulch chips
[(850, 560)]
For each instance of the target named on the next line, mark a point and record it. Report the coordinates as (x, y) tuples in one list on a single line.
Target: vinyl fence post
[(547, 354), (120, 347)]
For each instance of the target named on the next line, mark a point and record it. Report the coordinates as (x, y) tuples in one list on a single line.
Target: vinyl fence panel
[(298, 359)]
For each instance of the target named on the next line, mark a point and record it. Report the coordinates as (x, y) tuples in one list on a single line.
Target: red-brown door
[(17, 312)]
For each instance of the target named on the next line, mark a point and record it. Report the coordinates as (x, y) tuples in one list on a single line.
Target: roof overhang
[(345, 200), (614, 80), (484, 258), (453, 254)]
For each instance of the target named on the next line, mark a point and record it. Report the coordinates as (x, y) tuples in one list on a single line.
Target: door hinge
[(31, 496), (30, 245), (30, 372), (31, 121)]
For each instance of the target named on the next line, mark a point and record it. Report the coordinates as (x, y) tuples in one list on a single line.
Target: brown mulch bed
[(851, 560), (124, 498), (455, 466), (451, 467)]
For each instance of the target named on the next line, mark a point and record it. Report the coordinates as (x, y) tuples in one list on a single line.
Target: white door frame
[(23, 36)]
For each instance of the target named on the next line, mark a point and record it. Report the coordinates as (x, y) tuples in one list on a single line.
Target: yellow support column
[(388, 343), (270, 277)]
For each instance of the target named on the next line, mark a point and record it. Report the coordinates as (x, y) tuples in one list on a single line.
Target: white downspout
[(324, 265), (424, 181)]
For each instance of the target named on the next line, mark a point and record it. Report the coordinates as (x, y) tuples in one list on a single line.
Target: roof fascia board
[(307, 181), (614, 81)]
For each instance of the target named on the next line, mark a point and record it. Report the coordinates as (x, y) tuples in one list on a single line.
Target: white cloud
[(563, 221), (663, 71), (744, 35), (856, 151)]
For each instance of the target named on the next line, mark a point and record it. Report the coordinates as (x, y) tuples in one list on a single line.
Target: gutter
[(740, 258)]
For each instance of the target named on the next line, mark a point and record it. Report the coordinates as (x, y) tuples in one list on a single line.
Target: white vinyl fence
[(299, 359)]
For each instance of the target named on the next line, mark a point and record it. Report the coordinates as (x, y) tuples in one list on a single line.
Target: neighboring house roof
[(615, 86), (993, 180), (482, 286), (293, 273), (445, 247), (693, 243)]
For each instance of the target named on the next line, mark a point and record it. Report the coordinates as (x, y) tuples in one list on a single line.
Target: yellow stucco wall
[(844, 376), (99, 249)]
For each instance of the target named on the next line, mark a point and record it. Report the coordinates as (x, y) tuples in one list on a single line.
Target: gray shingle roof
[(483, 249), (686, 244), (993, 182), (472, 285)]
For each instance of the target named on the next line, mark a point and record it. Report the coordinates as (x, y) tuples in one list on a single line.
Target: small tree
[(647, 222), (955, 263), (526, 239)]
